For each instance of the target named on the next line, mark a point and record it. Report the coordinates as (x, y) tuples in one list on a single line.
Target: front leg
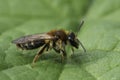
[(72, 50)]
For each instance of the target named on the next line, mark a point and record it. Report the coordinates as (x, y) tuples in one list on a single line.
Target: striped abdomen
[(31, 45)]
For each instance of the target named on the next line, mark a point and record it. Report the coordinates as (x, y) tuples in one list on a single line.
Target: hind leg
[(38, 54)]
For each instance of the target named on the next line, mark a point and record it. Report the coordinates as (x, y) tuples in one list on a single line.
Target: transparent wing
[(33, 37)]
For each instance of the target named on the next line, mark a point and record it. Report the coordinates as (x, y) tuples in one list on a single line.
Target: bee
[(55, 39)]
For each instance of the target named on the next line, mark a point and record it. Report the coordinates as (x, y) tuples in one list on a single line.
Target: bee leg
[(82, 46), (63, 55), (63, 52), (60, 48), (38, 54), (72, 50), (47, 47)]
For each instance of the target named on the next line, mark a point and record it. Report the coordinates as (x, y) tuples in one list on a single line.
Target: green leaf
[(100, 35)]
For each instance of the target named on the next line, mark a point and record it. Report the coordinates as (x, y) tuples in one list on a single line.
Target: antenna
[(79, 27), (82, 46)]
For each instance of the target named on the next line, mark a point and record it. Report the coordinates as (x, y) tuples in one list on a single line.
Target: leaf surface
[(100, 35)]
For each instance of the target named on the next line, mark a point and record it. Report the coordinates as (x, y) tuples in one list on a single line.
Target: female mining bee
[(55, 39)]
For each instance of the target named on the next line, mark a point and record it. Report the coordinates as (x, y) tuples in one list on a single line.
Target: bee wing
[(34, 37)]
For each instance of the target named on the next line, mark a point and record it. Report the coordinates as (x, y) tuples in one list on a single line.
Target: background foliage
[(100, 36)]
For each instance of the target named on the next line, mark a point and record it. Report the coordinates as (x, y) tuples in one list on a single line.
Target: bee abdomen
[(31, 45)]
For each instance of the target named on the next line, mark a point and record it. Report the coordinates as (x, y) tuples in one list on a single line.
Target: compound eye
[(71, 36), (73, 41)]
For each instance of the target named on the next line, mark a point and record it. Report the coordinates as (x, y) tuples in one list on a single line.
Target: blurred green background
[(100, 35)]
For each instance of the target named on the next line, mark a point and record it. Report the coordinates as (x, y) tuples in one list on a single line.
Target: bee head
[(73, 40)]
